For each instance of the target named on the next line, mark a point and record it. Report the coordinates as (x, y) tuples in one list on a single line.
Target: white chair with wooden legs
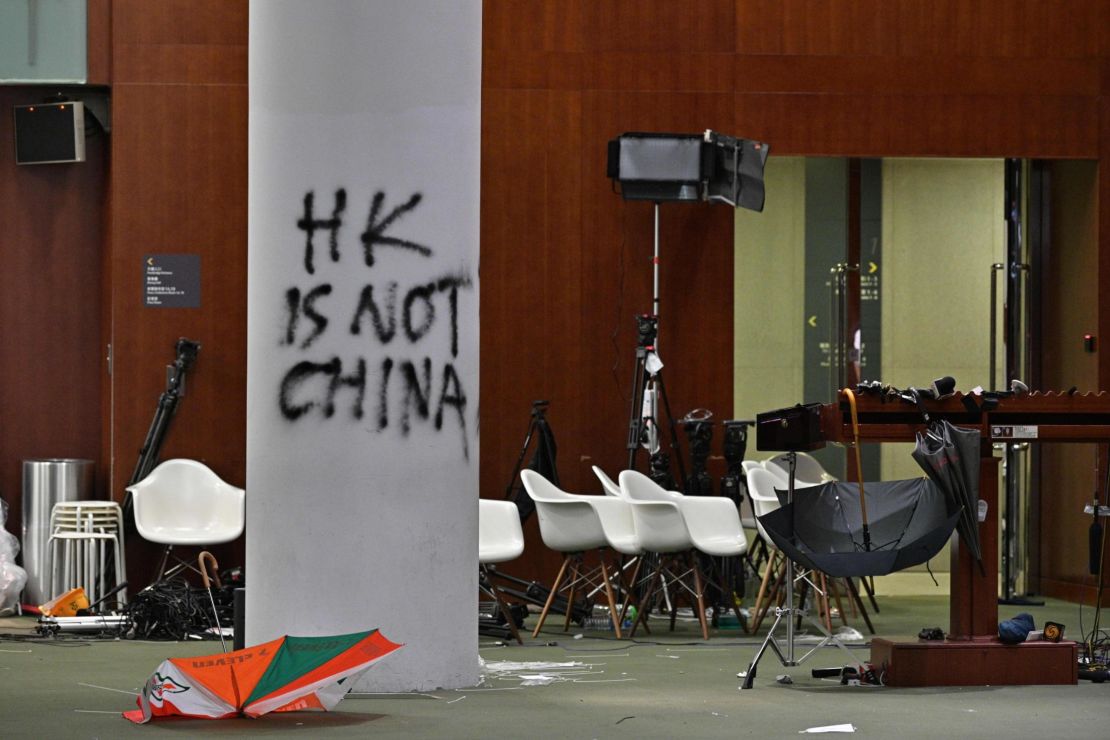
[(500, 539), (623, 540), (661, 528), (184, 503), (761, 489), (570, 524), (716, 531)]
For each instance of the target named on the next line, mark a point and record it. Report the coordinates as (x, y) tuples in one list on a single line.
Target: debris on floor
[(828, 728)]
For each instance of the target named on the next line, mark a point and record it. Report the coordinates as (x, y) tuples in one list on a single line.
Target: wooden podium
[(972, 655)]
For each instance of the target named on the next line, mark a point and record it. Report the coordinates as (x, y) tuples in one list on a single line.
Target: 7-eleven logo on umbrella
[(161, 685)]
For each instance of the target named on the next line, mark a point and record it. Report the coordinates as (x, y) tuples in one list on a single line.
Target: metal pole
[(995, 269), (793, 458), (655, 277)]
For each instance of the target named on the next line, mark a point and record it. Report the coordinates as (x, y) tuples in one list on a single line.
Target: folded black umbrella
[(909, 521), (949, 455)]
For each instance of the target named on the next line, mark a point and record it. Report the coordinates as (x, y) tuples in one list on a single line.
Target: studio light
[(709, 167)]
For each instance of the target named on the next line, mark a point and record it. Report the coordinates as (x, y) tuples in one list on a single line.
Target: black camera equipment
[(648, 389), (699, 435), (186, 351), (543, 460), (735, 447), (647, 329), (733, 483)]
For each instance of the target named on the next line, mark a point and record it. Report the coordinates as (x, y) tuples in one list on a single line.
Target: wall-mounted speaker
[(48, 133)]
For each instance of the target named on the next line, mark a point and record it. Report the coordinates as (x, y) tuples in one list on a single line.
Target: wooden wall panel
[(921, 125), (179, 185), (51, 350), (813, 77), (949, 29), (1069, 310), (99, 41)]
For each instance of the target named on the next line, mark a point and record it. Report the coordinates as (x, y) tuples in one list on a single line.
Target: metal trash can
[(46, 482)]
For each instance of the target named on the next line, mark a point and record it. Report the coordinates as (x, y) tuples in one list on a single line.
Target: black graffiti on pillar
[(356, 380), (310, 225), (451, 394), (422, 293), (293, 379), (375, 229), (385, 330), (414, 390), (296, 306), (383, 394), (304, 371), (452, 283)]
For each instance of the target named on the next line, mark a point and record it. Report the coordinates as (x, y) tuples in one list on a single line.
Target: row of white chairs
[(636, 517)]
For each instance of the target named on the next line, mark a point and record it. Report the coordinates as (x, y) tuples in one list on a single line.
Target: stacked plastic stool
[(81, 533)]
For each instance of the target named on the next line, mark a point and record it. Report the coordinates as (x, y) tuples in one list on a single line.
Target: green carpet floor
[(666, 685)]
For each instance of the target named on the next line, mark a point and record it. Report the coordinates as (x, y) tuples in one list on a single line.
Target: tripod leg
[(491, 588), (636, 410), (869, 587), (859, 603), (646, 603), (631, 588), (675, 447), (769, 640)]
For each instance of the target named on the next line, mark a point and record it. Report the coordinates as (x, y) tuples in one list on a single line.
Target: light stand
[(787, 613), (647, 381), (706, 167)]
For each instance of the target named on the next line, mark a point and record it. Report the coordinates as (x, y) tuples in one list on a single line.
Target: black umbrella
[(823, 528), (949, 455)]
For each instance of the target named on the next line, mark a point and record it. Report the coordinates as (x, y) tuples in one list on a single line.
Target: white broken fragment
[(828, 728), (508, 666), (536, 679)]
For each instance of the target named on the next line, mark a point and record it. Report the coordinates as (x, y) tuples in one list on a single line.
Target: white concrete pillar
[(362, 412)]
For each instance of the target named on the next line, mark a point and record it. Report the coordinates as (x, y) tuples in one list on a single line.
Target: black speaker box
[(48, 133)]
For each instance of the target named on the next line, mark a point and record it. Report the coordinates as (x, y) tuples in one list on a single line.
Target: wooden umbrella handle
[(855, 443), (211, 559)]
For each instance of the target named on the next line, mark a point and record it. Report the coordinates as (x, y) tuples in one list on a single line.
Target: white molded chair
[(184, 503), (500, 539), (807, 471), (610, 486), (661, 528), (761, 489), (574, 525)]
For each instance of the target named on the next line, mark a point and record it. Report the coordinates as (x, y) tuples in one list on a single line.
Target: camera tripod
[(787, 613), (643, 426)]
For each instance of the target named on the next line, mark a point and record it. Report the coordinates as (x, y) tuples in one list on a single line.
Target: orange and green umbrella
[(283, 675)]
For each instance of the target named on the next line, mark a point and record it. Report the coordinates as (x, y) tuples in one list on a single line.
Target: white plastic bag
[(12, 577)]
